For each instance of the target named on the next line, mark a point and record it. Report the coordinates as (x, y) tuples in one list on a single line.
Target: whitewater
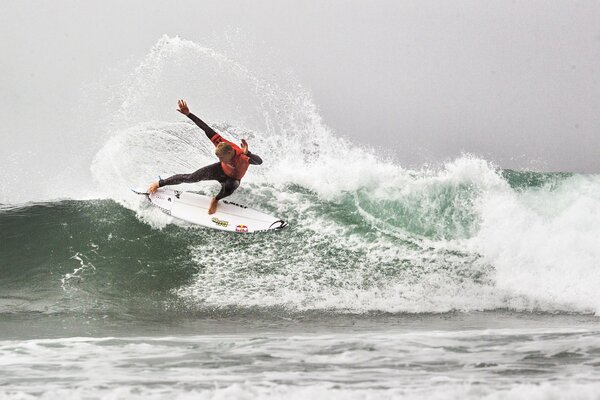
[(454, 280)]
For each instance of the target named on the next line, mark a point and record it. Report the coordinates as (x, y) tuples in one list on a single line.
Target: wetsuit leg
[(212, 172), (228, 186)]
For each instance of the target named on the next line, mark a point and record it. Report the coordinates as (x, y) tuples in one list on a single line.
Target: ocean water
[(455, 280)]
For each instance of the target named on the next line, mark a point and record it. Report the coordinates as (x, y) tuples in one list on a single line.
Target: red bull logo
[(241, 228)]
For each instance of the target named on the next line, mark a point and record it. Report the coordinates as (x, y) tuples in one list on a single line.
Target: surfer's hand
[(183, 108), (153, 187), (244, 146)]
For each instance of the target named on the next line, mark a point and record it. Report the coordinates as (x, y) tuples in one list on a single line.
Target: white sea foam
[(544, 243), (543, 391), (417, 365)]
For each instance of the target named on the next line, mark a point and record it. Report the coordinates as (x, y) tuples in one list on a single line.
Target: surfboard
[(193, 208)]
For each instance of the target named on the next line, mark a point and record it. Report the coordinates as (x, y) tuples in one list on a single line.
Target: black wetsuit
[(213, 172)]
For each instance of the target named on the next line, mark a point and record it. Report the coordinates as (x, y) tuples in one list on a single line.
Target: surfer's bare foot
[(153, 187), (213, 206)]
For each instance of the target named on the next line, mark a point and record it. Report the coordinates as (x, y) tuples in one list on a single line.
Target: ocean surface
[(459, 280)]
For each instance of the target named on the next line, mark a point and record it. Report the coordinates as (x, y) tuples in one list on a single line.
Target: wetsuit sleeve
[(254, 159), (210, 132)]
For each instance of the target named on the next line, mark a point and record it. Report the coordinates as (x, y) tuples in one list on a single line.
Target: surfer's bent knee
[(227, 188)]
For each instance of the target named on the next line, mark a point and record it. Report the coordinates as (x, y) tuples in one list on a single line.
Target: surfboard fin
[(138, 192), (282, 224)]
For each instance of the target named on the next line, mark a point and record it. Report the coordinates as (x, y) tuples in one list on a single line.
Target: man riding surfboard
[(231, 168)]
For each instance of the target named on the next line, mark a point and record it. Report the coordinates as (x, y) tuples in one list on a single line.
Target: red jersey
[(237, 167)]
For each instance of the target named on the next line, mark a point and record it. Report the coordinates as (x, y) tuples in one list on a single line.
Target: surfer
[(231, 168)]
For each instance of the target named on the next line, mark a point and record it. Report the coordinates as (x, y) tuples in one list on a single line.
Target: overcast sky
[(515, 82)]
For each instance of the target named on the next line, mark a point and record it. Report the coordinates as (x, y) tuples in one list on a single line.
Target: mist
[(515, 83)]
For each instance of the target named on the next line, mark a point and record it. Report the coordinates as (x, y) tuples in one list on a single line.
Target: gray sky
[(517, 83)]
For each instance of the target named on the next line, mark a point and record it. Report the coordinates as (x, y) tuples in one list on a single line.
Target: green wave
[(528, 179), (77, 255)]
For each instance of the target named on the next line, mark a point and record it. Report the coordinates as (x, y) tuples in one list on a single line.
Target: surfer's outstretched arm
[(210, 132), (183, 108), (213, 136)]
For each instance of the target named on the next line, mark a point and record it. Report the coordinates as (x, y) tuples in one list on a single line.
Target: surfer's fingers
[(181, 105)]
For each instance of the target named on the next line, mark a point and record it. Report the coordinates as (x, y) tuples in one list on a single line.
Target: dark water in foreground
[(454, 355)]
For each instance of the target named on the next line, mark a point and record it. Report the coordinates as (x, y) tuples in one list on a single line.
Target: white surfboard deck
[(193, 208)]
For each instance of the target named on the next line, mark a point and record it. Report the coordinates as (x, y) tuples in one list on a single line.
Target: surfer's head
[(225, 152)]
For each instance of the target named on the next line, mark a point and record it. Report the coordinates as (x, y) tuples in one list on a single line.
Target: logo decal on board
[(220, 222), (241, 228), (234, 204)]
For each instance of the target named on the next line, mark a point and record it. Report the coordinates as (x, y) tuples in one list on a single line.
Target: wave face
[(365, 235)]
